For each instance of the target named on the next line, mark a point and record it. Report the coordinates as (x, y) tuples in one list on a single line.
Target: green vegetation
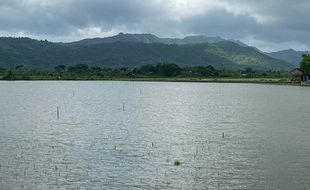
[(159, 72), (177, 163), (10, 75), (131, 51), (305, 64)]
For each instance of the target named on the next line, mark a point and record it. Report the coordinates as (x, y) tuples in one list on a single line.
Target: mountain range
[(291, 56), (133, 50), (149, 38)]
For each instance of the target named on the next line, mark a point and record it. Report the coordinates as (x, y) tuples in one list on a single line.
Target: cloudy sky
[(266, 24)]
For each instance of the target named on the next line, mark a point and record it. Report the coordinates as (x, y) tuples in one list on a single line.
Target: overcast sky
[(266, 24)]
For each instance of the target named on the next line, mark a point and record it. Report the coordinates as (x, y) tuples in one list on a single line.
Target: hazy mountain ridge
[(149, 38), (132, 50), (291, 56)]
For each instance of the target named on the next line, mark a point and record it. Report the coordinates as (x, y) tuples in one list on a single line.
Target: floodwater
[(127, 135)]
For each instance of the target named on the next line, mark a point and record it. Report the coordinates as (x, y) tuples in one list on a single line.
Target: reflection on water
[(124, 135)]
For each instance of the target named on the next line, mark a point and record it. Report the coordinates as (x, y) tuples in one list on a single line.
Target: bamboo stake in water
[(57, 112), (123, 106)]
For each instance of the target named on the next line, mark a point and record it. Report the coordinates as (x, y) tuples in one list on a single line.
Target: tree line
[(84, 71)]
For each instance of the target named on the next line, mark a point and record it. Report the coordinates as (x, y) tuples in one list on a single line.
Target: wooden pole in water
[(223, 135), (123, 106), (57, 112)]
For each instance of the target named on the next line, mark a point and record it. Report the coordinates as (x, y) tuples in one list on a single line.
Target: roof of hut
[(297, 72)]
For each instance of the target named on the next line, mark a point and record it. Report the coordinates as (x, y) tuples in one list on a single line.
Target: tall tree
[(81, 69), (305, 64), (10, 75)]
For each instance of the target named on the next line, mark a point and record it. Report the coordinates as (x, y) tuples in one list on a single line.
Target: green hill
[(291, 56), (132, 53)]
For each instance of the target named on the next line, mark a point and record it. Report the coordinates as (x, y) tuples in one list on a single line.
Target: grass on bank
[(172, 79)]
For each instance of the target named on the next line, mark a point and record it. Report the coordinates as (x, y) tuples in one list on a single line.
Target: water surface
[(127, 135)]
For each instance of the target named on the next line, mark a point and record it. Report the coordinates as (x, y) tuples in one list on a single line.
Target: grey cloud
[(289, 20), (272, 21), (221, 23), (63, 17)]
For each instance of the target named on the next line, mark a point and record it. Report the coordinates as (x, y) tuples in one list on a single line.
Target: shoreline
[(275, 81)]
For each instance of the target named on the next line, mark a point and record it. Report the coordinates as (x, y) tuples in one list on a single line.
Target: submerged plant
[(177, 163)]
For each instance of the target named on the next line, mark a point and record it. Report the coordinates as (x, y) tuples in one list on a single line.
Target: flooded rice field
[(144, 135)]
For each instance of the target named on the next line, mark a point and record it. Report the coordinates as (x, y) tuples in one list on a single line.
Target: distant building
[(298, 75)]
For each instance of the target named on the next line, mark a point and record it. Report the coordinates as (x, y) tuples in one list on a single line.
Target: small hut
[(298, 75)]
